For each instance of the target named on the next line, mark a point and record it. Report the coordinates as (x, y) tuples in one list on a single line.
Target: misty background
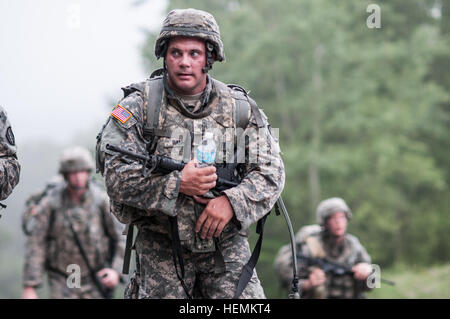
[(62, 64)]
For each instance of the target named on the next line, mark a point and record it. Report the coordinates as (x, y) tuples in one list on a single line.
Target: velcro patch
[(10, 136), (121, 114)]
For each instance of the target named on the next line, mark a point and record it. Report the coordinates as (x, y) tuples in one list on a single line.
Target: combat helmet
[(191, 23), (75, 159), (331, 206)]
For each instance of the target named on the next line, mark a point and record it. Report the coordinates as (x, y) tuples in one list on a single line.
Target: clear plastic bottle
[(206, 151)]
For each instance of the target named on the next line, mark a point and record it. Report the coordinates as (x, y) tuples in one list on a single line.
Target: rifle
[(226, 179), (165, 165), (331, 267), (106, 292)]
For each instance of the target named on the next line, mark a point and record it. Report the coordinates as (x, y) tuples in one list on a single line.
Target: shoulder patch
[(10, 136), (121, 113)]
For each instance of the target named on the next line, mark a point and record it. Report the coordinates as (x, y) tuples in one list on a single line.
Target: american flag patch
[(121, 114)]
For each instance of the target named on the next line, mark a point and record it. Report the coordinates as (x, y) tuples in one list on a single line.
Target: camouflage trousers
[(60, 290), (155, 275)]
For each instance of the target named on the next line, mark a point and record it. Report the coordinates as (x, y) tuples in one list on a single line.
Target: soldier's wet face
[(77, 180), (337, 224), (185, 59)]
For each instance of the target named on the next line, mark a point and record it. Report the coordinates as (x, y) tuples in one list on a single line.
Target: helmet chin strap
[(209, 57)]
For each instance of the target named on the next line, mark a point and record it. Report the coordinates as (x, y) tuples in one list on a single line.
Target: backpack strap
[(243, 103), (247, 270), (129, 232), (153, 100)]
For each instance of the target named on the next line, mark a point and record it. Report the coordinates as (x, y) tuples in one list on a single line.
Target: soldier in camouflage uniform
[(213, 238), (81, 207), (9, 166), (328, 240)]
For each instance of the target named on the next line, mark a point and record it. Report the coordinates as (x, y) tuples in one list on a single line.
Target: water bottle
[(206, 151)]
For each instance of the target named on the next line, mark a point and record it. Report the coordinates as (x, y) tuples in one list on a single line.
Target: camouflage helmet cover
[(331, 206), (75, 159), (190, 23)]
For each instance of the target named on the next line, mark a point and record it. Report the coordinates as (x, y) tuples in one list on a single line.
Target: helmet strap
[(209, 57)]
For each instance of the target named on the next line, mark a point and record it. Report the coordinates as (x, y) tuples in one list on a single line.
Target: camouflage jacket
[(349, 253), (51, 245), (9, 166), (149, 200)]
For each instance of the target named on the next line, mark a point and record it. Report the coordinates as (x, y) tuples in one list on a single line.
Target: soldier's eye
[(195, 53), (175, 53)]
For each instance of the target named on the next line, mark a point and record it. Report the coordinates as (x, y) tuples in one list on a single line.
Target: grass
[(415, 283)]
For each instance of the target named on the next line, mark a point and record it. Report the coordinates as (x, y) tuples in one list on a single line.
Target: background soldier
[(212, 233), (330, 240), (74, 227), (9, 166)]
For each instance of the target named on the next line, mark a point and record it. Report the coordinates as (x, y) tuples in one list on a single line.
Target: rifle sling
[(177, 253), (103, 290), (247, 271), (128, 247)]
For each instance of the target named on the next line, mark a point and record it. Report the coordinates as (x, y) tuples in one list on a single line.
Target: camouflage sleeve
[(9, 166), (361, 254), (264, 178), (35, 247), (123, 176), (9, 175), (361, 257)]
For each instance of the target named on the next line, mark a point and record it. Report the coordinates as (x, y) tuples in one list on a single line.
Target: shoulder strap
[(153, 93), (105, 292), (243, 103), (153, 96)]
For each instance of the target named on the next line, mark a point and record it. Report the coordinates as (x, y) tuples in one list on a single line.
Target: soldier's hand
[(197, 181), (29, 293), (316, 278), (215, 216), (108, 277), (361, 271)]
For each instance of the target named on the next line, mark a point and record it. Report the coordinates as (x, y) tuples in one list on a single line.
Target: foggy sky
[(62, 61)]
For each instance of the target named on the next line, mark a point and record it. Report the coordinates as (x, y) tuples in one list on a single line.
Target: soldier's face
[(185, 59), (337, 224), (78, 180)]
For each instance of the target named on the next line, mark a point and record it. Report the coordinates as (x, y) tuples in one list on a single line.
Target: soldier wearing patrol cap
[(9, 166), (207, 259), (74, 234), (329, 239)]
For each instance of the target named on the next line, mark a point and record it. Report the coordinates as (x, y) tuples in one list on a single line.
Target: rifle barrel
[(126, 152)]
